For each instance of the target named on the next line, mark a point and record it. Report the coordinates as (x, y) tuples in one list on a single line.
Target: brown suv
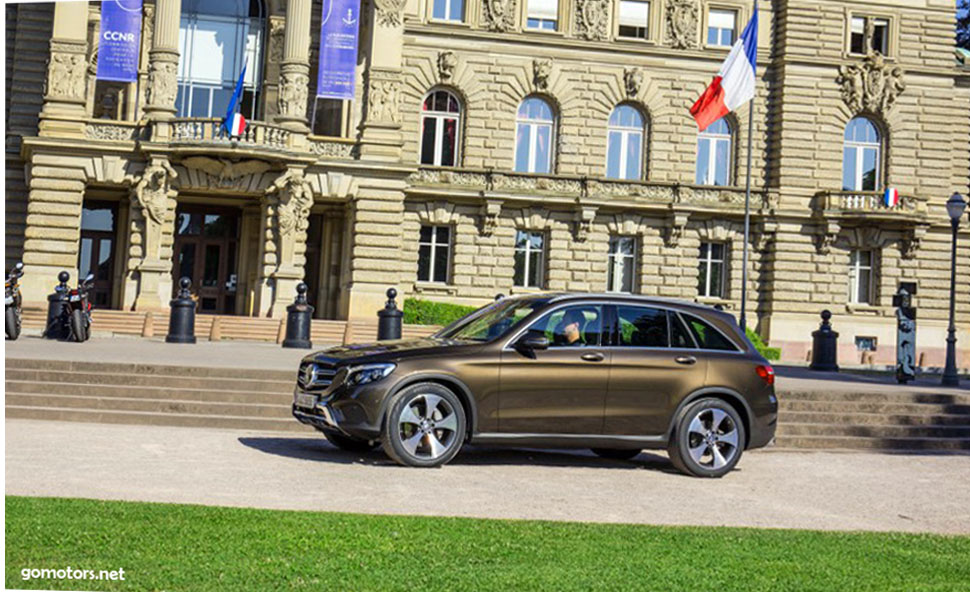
[(614, 373)]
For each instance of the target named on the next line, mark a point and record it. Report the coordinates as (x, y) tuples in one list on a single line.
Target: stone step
[(835, 418), (35, 388), (149, 418), (149, 380), (161, 370), (785, 405), (935, 445), (878, 432), (900, 396), (175, 406)]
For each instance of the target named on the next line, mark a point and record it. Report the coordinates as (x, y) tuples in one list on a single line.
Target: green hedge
[(426, 312), (770, 353)]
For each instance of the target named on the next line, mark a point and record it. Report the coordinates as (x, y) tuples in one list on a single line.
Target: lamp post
[(954, 208)]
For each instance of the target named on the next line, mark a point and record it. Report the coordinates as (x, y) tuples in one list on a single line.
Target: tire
[(349, 444), (13, 322), (424, 426), (616, 453), (706, 426), (78, 330)]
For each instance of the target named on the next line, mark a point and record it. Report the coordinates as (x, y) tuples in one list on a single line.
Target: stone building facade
[(561, 156)]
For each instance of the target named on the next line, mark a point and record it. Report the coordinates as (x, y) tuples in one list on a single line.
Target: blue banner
[(338, 49), (118, 47)]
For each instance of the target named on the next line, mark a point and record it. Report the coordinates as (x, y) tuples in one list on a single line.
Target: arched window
[(624, 154), (216, 37), (534, 136), (860, 156), (714, 154), (440, 119)]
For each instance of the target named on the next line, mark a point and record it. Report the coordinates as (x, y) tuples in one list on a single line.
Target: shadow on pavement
[(318, 449)]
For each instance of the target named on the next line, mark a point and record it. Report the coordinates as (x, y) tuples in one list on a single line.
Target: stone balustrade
[(205, 130), (850, 203)]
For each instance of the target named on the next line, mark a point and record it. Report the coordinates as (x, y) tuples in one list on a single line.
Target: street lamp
[(954, 208)]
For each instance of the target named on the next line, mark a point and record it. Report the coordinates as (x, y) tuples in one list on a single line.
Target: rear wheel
[(12, 320), (708, 439), (79, 332), (616, 453), (349, 444), (424, 427)]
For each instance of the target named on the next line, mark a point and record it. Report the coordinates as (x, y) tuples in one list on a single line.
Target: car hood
[(389, 351)]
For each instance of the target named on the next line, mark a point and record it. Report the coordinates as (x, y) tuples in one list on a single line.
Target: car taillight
[(767, 374)]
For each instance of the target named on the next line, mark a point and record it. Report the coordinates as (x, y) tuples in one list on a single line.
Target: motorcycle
[(77, 312), (13, 302)]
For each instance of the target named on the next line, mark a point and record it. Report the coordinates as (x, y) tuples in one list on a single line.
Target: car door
[(655, 363), (562, 389)]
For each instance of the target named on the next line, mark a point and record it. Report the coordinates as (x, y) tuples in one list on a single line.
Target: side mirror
[(531, 343), (89, 278), (18, 266)]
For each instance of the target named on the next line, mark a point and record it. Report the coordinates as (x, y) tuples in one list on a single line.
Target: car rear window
[(641, 326), (707, 336)]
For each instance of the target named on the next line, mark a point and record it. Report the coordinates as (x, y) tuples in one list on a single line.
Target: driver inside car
[(569, 330)]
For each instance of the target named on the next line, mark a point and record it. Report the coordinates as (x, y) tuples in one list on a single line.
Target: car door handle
[(686, 360), (592, 357)]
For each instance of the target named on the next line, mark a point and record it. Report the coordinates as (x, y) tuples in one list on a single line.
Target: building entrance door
[(206, 241)]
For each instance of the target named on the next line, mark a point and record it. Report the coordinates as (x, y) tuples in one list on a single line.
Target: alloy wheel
[(428, 426), (712, 438)]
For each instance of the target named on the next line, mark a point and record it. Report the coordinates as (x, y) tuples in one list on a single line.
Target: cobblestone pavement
[(813, 490)]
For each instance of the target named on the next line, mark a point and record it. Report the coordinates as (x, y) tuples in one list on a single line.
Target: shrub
[(770, 353), (426, 312)]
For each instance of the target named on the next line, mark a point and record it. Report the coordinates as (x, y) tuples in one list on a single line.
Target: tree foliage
[(963, 24)]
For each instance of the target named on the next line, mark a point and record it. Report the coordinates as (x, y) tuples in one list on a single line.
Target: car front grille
[(315, 377)]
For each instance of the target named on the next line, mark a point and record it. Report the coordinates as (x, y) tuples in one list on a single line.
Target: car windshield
[(492, 321)]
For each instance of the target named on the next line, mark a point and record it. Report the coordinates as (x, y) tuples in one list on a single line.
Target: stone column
[(294, 86), (65, 88), (163, 67), (381, 139), (152, 226)]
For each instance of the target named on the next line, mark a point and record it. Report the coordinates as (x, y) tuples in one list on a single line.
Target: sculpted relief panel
[(682, 22), (872, 85), (499, 15)]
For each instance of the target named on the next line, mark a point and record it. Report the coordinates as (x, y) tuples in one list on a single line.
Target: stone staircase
[(897, 419)]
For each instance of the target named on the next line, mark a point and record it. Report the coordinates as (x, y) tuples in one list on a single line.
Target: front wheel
[(708, 439), (79, 332), (424, 426), (347, 443), (13, 323)]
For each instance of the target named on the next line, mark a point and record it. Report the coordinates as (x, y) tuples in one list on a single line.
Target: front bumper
[(352, 413)]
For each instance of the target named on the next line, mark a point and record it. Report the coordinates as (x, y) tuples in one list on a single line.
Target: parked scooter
[(77, 312), (13, 302)]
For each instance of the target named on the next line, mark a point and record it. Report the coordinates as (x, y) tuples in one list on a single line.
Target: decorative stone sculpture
[(294, 198), (682, 23), (447, 62), (66, 74), (584, 223), (153, 189), (224, 170), (383, 98), (162, 83), (389, 12), (499, 15), (294, 90), (632, 82), (277, 36), (871, 86), (541, 70), (490, 212), (592, 19)]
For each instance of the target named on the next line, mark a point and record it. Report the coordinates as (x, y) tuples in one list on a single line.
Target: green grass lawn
[(181, 547)]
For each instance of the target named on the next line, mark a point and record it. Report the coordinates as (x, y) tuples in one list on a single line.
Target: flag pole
[(747, 201)]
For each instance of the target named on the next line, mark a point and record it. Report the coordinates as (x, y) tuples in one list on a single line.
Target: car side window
[(641, 326), (679, 335), (707, 336), (571, 326)]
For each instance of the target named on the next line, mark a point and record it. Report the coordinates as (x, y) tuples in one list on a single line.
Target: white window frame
[(625, 133), (708, 263), (439, 130), (856, 268), (866, 40), (528, 250), (447, 18), (434, 244), (534, 125), (712, 156), (860, 148), (647, 27), (528, 14), (735, 33), (616, 262)]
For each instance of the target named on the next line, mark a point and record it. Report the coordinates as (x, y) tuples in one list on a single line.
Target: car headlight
[(359, 375)]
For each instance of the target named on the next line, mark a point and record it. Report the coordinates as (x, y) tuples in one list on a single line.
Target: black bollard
[(825, 346), (298, 317), (56, 328), (181, 319), (389, 318)]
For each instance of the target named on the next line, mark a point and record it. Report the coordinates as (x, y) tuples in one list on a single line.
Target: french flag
[(891, 197), (734, 84), (234, 123)]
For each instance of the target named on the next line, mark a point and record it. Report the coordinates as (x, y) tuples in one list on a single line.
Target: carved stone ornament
[(490, 212), (383, 100), (294, 195), (911, 241), (277, 35), (872, 85), (332, 149), (541, 70), (682, 23), (825, 237), (114, 133), (224, 170), (499, 15), (674, 230), (447, 62), (584, 223), (592, 19), (294, 90), (632, 82), (66, 76), (162, 83), (389, 12), (153, 189)]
